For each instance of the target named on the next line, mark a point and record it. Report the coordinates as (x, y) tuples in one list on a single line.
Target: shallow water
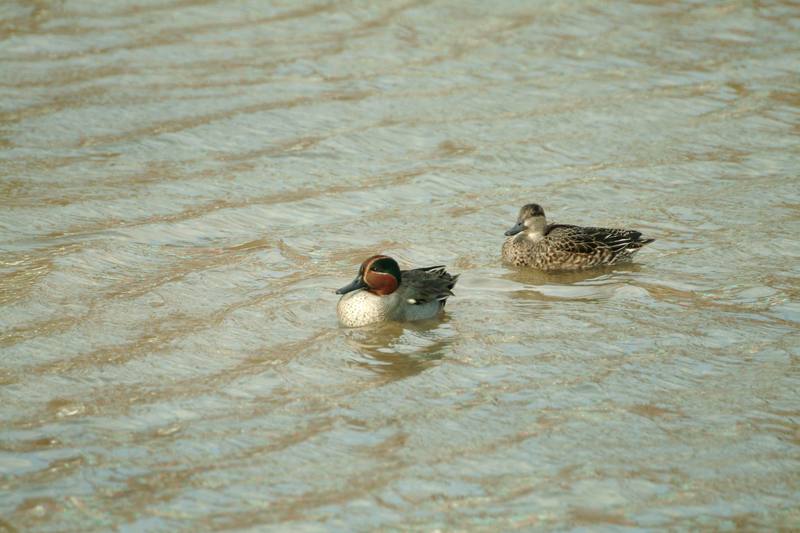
[(184, 184)]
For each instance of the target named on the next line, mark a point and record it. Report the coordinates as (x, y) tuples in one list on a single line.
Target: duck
[(382, 292), (532, 242)]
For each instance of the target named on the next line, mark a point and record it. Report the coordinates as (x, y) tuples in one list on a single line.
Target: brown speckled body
[(551, 247)]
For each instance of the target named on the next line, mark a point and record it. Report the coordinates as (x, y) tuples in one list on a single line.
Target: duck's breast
[(359, 308)]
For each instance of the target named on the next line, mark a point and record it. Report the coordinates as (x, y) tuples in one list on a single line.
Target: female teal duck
[(381, 291), (535, 243)]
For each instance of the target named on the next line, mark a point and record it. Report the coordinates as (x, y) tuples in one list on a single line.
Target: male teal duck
[(381, 292), (534, 243)]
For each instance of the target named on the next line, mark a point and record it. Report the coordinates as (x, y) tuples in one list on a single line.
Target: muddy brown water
[(183, 185)]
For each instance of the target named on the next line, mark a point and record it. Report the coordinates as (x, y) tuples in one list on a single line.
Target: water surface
[(184, 184)]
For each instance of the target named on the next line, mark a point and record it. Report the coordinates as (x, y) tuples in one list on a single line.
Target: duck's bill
[(519, 226), (356, 284)]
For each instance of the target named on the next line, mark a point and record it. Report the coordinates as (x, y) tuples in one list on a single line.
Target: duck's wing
[(587, 240), (428, 284)]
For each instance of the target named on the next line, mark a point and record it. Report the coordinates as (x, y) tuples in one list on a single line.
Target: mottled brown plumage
[(534, 243)]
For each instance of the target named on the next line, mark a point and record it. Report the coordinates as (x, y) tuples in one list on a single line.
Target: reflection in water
[(530, 276), (592, 284), (399, 350)]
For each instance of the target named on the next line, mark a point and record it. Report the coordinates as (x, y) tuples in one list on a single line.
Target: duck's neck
[(535, 227)]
